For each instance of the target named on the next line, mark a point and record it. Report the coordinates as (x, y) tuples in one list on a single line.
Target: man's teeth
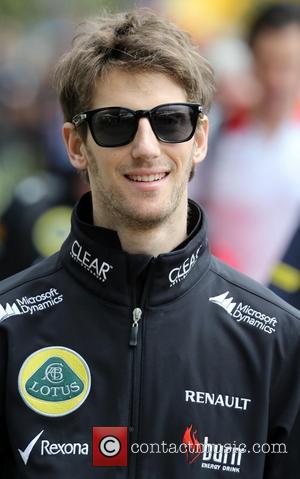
[(156, 177)]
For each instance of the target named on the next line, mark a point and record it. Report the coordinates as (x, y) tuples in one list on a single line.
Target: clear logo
[(92, 264), (178, 274)]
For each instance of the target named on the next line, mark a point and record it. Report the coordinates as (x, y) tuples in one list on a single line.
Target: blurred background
[(250, 182)]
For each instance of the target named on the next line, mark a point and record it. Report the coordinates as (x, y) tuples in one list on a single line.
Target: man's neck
[(152, 242), (160, 239)]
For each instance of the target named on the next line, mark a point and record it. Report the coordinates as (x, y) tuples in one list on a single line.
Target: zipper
[(137, 315), (135, 344)]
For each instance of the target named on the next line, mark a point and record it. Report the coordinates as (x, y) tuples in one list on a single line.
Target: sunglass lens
[(174, 123), (113, 127)]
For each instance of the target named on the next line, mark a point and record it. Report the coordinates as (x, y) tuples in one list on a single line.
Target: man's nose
[(145, 144)]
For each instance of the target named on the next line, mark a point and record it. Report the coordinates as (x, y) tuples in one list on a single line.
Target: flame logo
[(194, 447)]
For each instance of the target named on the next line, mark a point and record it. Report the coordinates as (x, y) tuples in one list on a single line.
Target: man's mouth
[(147, 178)]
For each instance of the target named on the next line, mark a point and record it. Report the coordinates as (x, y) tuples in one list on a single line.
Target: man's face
[(145, 182), (277, 62)]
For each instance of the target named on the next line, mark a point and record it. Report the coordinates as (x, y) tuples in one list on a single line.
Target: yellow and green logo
[(54, 381)]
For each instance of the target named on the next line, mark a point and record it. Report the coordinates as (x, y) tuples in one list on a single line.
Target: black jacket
[(179, 348)]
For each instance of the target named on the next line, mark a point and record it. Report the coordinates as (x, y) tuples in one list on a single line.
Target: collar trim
[(93, 255)]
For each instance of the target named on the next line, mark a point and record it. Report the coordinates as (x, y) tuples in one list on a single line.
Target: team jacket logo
[(212, 399), (9, 310), (27, 451), (178, 274), (218, 457), (31, 304), (90, 263), (194, 450), (54, 381), (245, 313), (48, 448)]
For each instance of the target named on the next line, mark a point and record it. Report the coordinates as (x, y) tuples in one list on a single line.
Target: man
[(133, 325), (285, 280), (253, 178)]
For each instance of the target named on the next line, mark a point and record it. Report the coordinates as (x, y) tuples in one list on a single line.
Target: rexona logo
[(54, 381), (31, 304), (178, 274), (219, 457), (90, 263), (47, 448), (245, 313)]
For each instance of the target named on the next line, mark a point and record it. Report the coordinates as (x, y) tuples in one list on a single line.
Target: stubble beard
[(117, 210)]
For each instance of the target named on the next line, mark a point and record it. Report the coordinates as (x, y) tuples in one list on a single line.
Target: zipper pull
[(137, 314)]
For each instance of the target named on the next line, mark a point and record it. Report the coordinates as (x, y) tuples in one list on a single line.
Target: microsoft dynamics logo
[(8, 311), (31, 304), (224, 302), (244, 313)]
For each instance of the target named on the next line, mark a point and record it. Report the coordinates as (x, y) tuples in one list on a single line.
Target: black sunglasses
[(117, 126)]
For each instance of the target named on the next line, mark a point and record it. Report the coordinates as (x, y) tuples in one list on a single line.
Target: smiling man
[(132, 351), (138, 170)]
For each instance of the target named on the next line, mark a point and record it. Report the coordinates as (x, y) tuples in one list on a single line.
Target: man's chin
[(144, 219)]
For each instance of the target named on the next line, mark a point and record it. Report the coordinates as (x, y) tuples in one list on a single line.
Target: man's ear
[(74, 145), (201, 138)]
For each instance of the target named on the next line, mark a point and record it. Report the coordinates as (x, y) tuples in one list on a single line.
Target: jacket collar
[(93, 255)]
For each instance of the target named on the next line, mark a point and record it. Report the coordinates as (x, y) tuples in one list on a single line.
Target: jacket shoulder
[(42, 269), (249, 289)]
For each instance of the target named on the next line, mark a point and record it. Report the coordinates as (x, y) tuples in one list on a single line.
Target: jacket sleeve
[(285, 416), (5, 454)]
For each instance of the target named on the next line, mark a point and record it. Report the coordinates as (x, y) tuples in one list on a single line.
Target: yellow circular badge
[(51, 229), (54, 381)]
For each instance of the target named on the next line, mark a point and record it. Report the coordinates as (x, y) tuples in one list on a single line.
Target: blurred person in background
[(90, 336), (285, 280), (36, 220), (251, 184), (38, 186)]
